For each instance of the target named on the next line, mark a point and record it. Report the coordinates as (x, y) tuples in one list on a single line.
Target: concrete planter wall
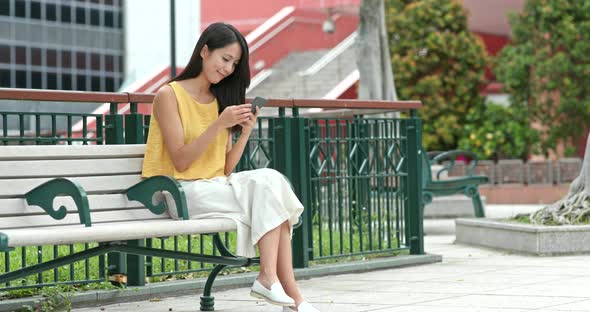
[(539, 240)]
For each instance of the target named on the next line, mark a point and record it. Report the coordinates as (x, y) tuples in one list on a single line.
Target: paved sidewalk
[(469, 279)]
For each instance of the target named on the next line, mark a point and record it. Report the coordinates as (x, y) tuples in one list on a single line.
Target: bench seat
[(119, 231)]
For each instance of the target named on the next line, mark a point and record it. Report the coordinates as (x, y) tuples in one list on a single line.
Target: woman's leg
[(268, 246), (285, 264)]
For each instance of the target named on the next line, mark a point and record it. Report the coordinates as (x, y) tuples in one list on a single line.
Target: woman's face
[(221, 62)]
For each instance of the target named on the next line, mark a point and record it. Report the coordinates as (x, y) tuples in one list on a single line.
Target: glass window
[(81, 60), (121, 63), (5, 78), (20, 8), (95, 61), (120, 24), (66, 59), (21, 79), (36, 80), (110, 84), (4, 54), (52, 81), (66, 82), (95, 83), (81, 83), (51, 12), (5, 7), (94, 17), (109, 63), (66, 13), (35, 10), (36, 57), (109, 19), (51, 58), (80, 16), (21, 55)]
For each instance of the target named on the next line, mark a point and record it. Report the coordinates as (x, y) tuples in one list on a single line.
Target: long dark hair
[(231, 90)]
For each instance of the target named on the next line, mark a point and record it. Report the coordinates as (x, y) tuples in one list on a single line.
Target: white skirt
[(257, 200)]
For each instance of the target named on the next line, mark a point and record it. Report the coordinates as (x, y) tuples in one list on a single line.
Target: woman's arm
[(234, 153), (166, 113)]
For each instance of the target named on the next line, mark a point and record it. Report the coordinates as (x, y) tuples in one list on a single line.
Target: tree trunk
[(373, 58), (574, 208)]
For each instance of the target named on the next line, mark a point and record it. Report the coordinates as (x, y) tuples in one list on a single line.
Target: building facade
[(62, 44)]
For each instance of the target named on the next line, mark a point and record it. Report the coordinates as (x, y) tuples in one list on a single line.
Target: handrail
[(129, 97), (330, 56), (63, 96)]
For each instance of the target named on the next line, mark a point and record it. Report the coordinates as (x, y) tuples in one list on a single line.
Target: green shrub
[(493, 131)]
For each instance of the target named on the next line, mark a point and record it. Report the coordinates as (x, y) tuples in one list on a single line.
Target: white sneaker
[(303, 307), (275, 295)]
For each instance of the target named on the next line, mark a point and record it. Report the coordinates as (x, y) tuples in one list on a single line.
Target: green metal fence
[(357, 184), (357, 175)]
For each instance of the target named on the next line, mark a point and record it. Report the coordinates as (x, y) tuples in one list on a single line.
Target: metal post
[(133, 126), (136, 265), (113, 126), (172, 38), (117, 266), (291, 158), (414, 186)]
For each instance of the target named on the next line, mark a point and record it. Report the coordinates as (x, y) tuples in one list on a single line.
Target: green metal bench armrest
[(450, 157), (44, 195), (144, 191)]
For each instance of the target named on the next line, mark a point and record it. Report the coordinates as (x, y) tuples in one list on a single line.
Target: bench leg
[(208, 301), (477, 205)]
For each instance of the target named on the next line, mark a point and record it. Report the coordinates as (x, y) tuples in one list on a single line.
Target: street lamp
[(328, 26)]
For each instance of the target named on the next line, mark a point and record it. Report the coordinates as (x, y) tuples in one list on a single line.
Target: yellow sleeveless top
[(195, 118)]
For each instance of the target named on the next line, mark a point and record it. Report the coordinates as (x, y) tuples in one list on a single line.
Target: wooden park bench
[(68, 194), (467, 185)]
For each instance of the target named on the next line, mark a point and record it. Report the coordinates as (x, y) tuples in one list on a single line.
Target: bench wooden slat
[(33, 221), (72, 168), (103, 184), (18, 206), (115, 231), (35, 152)]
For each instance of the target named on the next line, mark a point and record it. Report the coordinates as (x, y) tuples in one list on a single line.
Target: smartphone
[(258, 102)]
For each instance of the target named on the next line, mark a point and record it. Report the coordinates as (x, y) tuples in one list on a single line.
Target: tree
[(548, 68), (438, 61), (574, 208), (372, 57)]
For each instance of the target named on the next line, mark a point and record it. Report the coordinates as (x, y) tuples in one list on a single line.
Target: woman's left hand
[(249, 124)]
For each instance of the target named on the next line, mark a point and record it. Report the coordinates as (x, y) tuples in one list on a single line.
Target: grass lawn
[(334, 248)]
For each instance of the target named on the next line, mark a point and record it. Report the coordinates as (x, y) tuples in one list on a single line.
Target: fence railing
[(356, 174)]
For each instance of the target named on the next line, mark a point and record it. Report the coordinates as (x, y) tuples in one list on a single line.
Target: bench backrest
[(104, 171)]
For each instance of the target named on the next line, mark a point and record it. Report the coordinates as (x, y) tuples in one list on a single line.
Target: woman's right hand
[(235, 114)]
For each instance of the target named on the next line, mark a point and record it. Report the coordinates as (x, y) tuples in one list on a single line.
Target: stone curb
[(525, 238), (183, 287)]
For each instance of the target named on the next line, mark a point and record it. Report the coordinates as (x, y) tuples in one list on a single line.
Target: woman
[(190, 139)]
